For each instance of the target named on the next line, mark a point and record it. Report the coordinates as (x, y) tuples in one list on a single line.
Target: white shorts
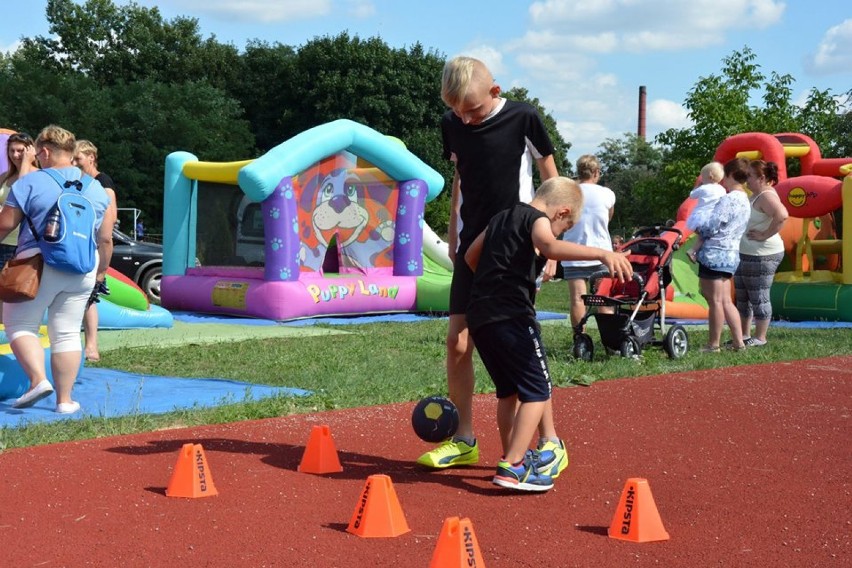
[(64, 296)]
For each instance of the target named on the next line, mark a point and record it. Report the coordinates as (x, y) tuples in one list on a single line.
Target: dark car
[(140, 261)]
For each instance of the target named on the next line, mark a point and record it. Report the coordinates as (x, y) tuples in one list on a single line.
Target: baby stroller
[(639, 305)]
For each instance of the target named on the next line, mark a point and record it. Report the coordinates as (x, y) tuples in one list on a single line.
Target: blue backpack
[(72, 248)]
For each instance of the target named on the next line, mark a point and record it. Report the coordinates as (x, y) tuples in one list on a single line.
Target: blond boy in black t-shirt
[(506, 259)]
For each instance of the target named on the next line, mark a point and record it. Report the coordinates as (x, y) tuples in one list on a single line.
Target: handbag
[(20, 278)]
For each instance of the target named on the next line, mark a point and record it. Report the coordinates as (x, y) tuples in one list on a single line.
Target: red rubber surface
[(749, 466)]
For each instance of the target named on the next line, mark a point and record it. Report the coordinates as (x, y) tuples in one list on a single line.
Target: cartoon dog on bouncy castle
[(363, 226)]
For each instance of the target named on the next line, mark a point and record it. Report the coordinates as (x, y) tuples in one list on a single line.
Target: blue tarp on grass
[(110, 393)]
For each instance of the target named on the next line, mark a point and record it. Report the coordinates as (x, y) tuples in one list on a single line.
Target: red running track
[(749, 466)]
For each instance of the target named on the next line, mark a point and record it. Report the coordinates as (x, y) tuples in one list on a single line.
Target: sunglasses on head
[(21, 137)]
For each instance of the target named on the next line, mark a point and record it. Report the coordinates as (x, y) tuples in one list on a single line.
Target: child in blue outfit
[(506, 259)]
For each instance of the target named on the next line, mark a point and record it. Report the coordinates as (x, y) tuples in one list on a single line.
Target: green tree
[(135, 125), (124, 43), (265, 88), (630, 167), (150, 120)]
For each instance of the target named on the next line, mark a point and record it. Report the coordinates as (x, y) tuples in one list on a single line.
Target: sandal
[(710, 349)]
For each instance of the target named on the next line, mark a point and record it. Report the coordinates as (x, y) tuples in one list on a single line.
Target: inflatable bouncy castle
[(330, 222)]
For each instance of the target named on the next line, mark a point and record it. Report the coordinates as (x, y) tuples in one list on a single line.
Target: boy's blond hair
[(57, 138), (460, 73), (562, 192), (713, 172)]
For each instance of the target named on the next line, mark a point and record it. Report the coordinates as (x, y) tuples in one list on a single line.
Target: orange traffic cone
[(191, 476), (320, 454), (636, 519), (457, 546), (378, 513)]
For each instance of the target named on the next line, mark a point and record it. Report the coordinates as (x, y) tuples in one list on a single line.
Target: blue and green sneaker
[(558, 464), (522, 477)]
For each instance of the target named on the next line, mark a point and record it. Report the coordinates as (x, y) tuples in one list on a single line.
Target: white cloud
[(262, 11), (10, 48), (650, 25), (585, 137), (662, 114), (834, 54), (646, 41), (361, 9), (556, 69), (562, 54), (550, 39), (493, 59), (590, 111)]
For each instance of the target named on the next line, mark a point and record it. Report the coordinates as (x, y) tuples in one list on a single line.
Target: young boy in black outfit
[(506, 258)]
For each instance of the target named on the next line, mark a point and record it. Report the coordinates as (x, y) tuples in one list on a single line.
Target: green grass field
[(381, 363)]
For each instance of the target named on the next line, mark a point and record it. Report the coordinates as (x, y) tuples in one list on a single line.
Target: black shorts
[(460, 286), (710, 274), (514, 355)]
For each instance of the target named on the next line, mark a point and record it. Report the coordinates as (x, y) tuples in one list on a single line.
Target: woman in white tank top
[(761, 251)]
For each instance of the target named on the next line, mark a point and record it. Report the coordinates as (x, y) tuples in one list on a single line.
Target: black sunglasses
[(21, 137)]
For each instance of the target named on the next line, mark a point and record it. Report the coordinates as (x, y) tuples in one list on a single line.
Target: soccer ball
[(435, 418)]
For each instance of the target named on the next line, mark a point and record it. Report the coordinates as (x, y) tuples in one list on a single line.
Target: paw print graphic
[(385, 230), (404, 238), (412, 189), (402, 209), (275, 213), (413, 265), (284, 274), (276, 243), (295, 226), (287, 191)]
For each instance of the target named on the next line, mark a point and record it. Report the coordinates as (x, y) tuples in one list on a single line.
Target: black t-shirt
[(504, 282), (490, 161), (105, 180)]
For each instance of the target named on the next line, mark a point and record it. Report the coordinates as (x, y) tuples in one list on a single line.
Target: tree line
[(141, 87)]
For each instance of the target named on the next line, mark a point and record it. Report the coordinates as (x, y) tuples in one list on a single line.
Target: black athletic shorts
[(514, 355), (460, 286)]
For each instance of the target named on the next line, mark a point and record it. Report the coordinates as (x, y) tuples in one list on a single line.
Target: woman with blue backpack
[(64, 216)]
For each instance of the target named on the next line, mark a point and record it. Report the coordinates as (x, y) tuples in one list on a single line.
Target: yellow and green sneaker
[(450, 453)]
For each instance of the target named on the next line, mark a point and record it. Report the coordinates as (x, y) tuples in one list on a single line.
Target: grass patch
[(382, 363)]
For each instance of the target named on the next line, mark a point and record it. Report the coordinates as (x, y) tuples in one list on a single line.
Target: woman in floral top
[(719, 256)]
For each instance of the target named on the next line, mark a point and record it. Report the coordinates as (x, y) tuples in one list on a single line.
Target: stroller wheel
[(584, 347), (630, 348), (676, 342)]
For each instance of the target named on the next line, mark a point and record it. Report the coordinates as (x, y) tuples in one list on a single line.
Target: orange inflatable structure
[(816, 278)]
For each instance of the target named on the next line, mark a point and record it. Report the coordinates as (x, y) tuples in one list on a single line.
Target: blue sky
[(584, 59)]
